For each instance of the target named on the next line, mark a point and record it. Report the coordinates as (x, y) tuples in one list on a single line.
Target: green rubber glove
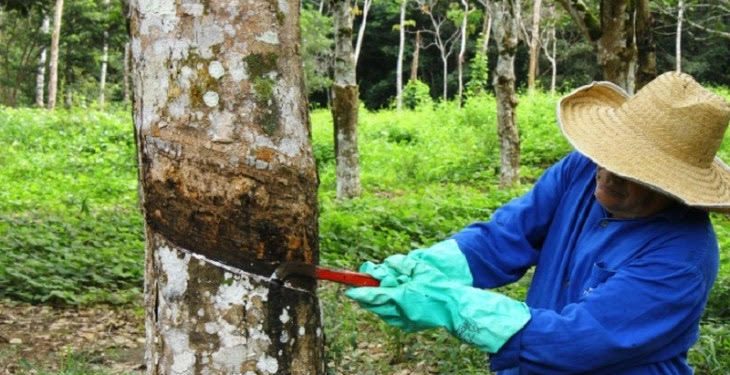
[(479, 317), (445, 257)]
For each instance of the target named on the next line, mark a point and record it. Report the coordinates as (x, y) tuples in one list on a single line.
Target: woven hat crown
[(680, 117), (666, 136)]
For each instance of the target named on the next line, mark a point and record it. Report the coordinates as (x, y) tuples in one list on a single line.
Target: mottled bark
[(227, 185), (534, 45), (53, 64), (104, 63), (345, 104), (344, 113), (506, 37), (401, 48), (462, 50), (678, 41), (615, 48), (645, 44), (40, 78), (127, 56), (416, 54)]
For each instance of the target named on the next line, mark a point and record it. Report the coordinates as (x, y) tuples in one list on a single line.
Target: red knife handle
[(346, 277)]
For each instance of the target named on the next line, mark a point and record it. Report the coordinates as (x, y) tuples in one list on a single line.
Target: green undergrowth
[(71, 232)]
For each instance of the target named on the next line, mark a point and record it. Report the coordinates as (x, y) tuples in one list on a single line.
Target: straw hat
[(666, 136)]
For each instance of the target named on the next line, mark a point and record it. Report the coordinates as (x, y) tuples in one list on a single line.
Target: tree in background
[(443, 35), (40, 87), (104, 62), (534, 43), (53, 64), (506, 18), (228, 187), (615, 37), (401, 49), (345, 104)]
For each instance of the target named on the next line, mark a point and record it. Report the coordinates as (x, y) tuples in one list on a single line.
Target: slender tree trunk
[(228, 187), (506, 13), (401, 48), (345, 104), (462, 49), (550, 43), (445, 66), (416, 53), (361, 32), (678, 44), (534, 45), (645, 44), (40, 78), (104, 63), (486, 27), (53, 64), (126, 58)]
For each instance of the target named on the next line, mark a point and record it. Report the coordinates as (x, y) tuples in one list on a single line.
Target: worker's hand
[(479, 317), (444, 257)]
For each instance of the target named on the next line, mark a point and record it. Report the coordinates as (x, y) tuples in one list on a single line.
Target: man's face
[(627, 199)]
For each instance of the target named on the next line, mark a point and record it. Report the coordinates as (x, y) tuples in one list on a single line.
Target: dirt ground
[(38, 339)]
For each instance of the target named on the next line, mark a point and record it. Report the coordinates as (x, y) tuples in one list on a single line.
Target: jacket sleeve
[(501, 250), (631, 317)]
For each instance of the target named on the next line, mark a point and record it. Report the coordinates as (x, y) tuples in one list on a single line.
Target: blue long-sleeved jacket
[(609, 296)]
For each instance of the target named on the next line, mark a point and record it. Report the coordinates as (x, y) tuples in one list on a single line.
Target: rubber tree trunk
[(416, 53), (462, 50), (506, 13), (361, 31), (534, 46), (645, 44), (678, 41), (104, 63), (227, 185), (401, 49), (126, 73), (53, 64), (345, 104), (40, 78)]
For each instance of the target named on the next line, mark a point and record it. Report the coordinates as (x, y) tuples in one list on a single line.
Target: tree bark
[(506, 13), (462, 49), (401, 48), (127, 56), (678, 44), (486, 26), (645, 44), (228, 187), (534, 45), (416, 54), (40, 78), (361, 31), (616, 49), (53, 64), (104, 63), (345, 104)]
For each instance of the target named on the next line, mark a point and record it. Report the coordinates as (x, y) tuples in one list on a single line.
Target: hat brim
[(590, 120)]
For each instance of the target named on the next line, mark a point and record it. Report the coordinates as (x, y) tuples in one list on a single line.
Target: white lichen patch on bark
[(221, 126), (211, 98), (267, 365), (270, 37), (175, 270), (216, 70)]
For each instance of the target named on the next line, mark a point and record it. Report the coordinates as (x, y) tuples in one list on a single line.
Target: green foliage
[(70, 232), (317, 54), (478, 75), (416, 94)]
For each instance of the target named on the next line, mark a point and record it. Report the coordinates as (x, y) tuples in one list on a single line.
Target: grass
[(71, 233)]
